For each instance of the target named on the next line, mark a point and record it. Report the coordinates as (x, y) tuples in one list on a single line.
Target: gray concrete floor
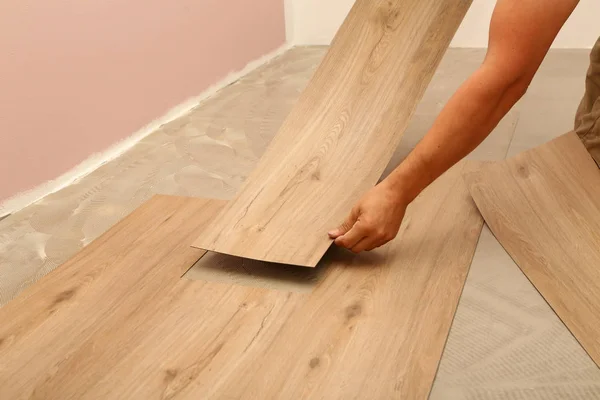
[(505, 342)]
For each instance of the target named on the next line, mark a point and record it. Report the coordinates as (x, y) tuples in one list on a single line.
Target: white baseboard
[(31, 196)]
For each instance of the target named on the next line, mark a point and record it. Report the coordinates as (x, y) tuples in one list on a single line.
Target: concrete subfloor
[(505, 342)]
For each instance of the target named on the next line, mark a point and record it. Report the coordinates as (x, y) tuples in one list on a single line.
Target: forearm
[(466, 120), (521, 32)]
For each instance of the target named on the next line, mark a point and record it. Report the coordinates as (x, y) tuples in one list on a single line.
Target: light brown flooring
[(505, 341), (542, 206), (344, 121)]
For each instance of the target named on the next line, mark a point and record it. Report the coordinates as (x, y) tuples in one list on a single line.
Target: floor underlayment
[(505, 341)]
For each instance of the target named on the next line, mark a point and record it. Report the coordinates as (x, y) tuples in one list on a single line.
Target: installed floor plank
[(117, 321), (338, 138), (376, 326), (105, 284), (544, 207)]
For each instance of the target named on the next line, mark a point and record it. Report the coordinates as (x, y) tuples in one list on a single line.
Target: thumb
[(345, 227)]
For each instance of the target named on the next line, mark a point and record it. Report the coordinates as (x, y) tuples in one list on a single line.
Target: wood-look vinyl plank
[(111, 278), (340, 135), (373, 325), (543, 205), (206, 333), (376, 325)]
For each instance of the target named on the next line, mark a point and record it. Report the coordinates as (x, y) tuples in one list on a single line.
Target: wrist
[(396, 191), (409, 178)]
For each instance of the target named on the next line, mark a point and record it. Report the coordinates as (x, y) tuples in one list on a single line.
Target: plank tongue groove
[(544, 207), (339, 137)]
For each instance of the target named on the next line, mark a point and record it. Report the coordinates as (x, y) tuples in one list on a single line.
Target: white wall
[(317, 21)]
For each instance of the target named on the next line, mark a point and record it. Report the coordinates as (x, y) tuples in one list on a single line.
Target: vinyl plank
[(65, 286), (197, 342), (370, 326), (341, 133), (543, 205), (376, 326), (108, 280)]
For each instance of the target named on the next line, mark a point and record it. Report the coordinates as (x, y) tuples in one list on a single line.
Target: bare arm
[(521, 32)]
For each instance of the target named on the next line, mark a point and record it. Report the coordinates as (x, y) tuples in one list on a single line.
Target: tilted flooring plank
[(339, 137), (544, 207), (374, 326)]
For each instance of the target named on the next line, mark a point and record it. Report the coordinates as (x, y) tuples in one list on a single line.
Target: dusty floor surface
[(505, 342)]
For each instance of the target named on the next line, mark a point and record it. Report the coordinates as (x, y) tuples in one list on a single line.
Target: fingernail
[(331, 233)]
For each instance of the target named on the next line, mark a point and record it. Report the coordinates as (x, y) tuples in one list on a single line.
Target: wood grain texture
[(98, 289), (117, 322), (339, 137), (376, 326), (544, 207)]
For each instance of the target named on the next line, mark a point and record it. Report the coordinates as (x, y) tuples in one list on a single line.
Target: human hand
[(374, 220)]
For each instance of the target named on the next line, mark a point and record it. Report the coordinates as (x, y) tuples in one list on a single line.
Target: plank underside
[(117, 321), (341, 134), (544, 207)]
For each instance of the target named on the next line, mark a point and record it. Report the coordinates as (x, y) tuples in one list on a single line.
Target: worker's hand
[(374, 220)]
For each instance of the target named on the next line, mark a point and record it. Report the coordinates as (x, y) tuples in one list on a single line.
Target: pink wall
[(77, 76)]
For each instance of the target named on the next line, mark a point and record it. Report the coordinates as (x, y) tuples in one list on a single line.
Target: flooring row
[(118, 321)]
